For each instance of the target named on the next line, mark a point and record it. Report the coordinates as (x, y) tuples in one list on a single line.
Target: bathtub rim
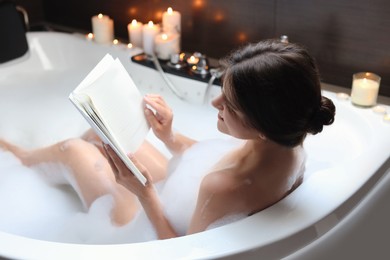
[(43, 248)]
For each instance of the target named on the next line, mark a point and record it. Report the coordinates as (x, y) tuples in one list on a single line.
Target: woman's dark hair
[(276, 85)]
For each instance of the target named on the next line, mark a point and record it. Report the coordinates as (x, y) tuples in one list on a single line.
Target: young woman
[(271, 99)]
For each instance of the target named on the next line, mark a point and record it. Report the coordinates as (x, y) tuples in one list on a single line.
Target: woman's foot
[(16, 150)]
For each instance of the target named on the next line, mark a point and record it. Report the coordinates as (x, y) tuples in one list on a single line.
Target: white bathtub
[(344, 162)]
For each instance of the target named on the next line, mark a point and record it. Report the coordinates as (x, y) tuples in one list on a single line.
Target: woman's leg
[(91, 174), (147, 154)]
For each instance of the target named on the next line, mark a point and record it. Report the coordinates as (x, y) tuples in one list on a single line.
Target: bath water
[(33, 206)]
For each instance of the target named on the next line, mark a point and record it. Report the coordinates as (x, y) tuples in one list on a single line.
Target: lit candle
[(89, 36), (192, 60), (103, 28), (380, 110), (149, 32), (365, 88), (166, 45), (171, 21), (135, 33)]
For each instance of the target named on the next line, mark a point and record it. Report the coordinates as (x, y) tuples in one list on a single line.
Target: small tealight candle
[(135, 33), (342, 96), (89, 36), (149, 32), (192, 60), (386, 118), (365, 88), (171, 21), (381, 110), (166, 45), (103, 28)]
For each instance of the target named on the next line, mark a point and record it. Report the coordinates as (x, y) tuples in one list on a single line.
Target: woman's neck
[(263, 153), (264, 147)]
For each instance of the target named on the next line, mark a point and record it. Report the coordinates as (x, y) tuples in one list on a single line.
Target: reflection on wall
[(345, 36)]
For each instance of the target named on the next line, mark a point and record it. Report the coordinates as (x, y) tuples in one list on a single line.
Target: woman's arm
[(155, 213), (215, 199), (161, 123), (146, 194)]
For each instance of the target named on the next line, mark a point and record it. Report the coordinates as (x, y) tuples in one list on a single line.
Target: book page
[(118, 102), (87, 109), (111, 103)]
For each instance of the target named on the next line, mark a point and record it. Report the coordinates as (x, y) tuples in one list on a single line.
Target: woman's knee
[(75, 147), (71, 145)]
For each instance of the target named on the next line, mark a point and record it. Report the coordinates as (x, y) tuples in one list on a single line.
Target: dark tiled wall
[(345, 36)]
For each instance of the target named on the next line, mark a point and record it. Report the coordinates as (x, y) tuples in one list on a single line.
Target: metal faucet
[(216, 73), (25, 16), (202, 66)]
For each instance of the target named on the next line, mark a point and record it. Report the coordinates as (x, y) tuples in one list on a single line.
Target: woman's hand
[(146, 194), (125, 177), (161, 121)]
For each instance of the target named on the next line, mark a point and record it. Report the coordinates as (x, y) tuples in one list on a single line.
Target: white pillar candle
[(365, 88), (149, 32), (103, 28), (171, 21), (135, 33), (166, 45)]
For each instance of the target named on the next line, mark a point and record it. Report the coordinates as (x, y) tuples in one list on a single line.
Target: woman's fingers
[(137, 164), (156, 98), (153, 121), (109, 159), (116, 163), (159, 105)]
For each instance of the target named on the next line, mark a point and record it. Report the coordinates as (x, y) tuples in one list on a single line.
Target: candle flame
[(164, 36), (192, 60), (90, 36), (170, 10), (100, 16), (134, 22), (129, 46), (150, 24), (115, 41)]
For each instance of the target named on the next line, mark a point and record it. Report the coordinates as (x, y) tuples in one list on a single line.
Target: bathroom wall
[(344, 36)]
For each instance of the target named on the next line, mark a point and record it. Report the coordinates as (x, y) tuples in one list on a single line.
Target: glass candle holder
[(365, 88)]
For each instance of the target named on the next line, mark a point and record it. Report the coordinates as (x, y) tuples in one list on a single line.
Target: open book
[(111, 103)]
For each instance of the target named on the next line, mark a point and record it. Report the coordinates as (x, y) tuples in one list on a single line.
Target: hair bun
[(324, 116)]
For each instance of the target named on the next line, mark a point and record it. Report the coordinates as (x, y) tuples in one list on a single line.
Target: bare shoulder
[(220, 182), (225, 190), (215, 200)]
